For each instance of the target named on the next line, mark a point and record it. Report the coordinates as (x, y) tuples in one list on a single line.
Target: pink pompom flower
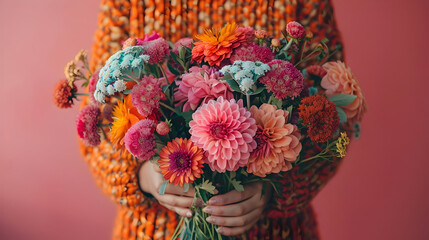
[(284, 80), (86, 123), (139, 139), (157, 49), (199, 86), (146, 95), (253, 52), (225, 130), (295, 30), (162, 128)]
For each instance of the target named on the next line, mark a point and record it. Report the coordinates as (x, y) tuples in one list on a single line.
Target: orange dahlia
[(277, 141), (214, 46), (181, 161), (125, 115)]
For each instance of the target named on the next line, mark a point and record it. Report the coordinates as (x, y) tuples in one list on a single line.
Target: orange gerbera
[(215, 46), (181, 161), (125, 115)]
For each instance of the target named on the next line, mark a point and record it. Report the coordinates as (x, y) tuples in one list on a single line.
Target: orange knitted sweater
[(141, 217)]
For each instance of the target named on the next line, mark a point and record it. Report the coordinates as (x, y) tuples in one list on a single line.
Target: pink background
[(47, 192)]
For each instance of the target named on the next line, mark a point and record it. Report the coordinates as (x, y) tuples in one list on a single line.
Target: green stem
[(270, 99), (303, 50), (168, 107), (81, 94), (248, 100), (177, 232), (163, 73), (289, 44)]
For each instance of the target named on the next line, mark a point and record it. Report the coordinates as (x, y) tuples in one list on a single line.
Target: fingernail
[(189, 214), (211, 220), (208, 210), (213, 201), (220, 230)]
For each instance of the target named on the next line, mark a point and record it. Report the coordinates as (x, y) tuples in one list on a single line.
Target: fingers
[(178, 190), (235, 196), (156, 168), (175, 203), (240, 221), (234, 231), (185, 212), (233, 210)]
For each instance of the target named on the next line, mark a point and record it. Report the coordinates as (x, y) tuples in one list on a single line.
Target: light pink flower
[(253, 52), (156, 49), (184, 42), (249, 33), (146, 95), (340, 80), (199, 86), (284, 80), (295, 30), (86, 123), (139, 139), (277, 141), (225, 130)]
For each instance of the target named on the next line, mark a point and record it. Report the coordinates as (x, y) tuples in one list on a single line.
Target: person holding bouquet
[(281, 209)]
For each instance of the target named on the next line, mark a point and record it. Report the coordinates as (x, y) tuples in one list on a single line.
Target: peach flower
[(340, 80), (277, 141)]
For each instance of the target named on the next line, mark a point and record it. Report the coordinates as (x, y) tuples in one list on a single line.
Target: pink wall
[(47, 192)]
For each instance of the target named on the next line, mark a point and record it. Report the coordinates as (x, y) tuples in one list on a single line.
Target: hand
[(174, 198), (236, 212)]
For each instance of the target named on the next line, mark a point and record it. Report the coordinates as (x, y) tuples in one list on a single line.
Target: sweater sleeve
[(302, 183), (115, 172)]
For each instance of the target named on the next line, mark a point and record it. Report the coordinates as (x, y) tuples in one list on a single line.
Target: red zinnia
[(181, 161), (64, 94), (320, 116)]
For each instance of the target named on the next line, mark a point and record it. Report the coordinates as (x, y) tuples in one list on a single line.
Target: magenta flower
[(284, 80), (157, 49), (139, 139), (199, 86), (145, 96), (92, 87), (295, 30), (86, 123), (253, 52), (148, 38), (225, 130)]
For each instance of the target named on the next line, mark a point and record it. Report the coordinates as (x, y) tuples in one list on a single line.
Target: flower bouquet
[(225, 109)]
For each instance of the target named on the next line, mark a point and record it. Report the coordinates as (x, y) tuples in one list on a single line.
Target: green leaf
[(342, 99), (161, 190), (204, 196), (234, 85), (277, 102), (173, 70), (237, 185), (233, 175), (342, 115), (244, 172), (182, 52), (186, 188), (259, 90), (207, 186), (289, 109), (227, 77)]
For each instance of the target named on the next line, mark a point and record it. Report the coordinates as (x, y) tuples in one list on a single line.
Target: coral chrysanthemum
[(225, 130), (199, 86), (253, 52), (320, 116), (277, 141), (181, 161), (284, 80), (145, 96), (340, 80), (64, 94), (139, 139), (86, 123), (214, 46), (124, 116)]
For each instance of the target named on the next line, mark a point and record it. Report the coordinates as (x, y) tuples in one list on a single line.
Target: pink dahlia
[(156, 49), (284, 80), (184, 42), (146, 95), (86, 123), (253, 52), (295, 30), (225, 130), (340, 80), (277, 141), (139, 139), (199, 86)]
